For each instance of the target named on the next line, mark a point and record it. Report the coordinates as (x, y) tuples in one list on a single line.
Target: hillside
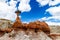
[(17, 30)]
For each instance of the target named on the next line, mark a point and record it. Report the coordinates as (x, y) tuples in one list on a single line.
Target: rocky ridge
[(22, 31)]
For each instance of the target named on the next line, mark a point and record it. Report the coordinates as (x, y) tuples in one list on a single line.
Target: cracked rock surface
[(21, 35)]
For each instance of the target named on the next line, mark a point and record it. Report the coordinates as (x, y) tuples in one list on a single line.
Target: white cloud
[(50, 2), (3, 0), (49, 22), (13, 3), (24, 6), (7, 12), (25, 22), (43, 19), (55, 2), (53, 23), (55, 12), (43, 2)]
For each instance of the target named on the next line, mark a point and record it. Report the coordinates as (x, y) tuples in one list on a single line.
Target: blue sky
[(38, 12), (35, 13), (32, 10)]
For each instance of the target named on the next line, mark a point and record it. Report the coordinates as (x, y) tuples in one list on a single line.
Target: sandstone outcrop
[(17, 23), (35, 27), (40, 25)]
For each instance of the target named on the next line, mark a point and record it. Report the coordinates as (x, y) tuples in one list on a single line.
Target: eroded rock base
[(25, 35)]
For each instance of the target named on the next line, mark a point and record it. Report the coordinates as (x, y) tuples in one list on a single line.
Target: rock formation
[(33, 26), (31, 30), (5, 25), (37, 25), (17, 23), (21, 35), (40, 25)]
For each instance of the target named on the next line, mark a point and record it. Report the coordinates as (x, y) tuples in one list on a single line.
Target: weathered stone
[(4, 23), (21, 35), (33, 31), (17, 23)]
